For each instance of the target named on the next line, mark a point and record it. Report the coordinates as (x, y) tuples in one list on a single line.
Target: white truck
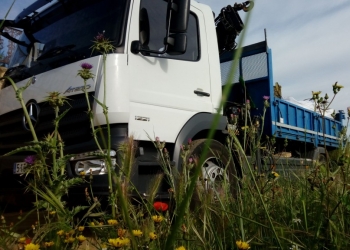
[(163, 80)]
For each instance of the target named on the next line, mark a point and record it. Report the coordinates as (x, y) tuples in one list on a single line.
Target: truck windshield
[(65, 32)]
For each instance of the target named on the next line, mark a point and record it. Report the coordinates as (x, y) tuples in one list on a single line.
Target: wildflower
[(82, 173), (81, 238), (296, 220), (336, 87), (245, 127), (86, 66), (266, 101), (69, 240), (22, 240), (48, 244), (152, 235), (60, 233), (121, 232), (30, 159), (55, 99), (275, 174), (52, 212), (265, 97), (85, 71), (157, 218), (102, 44), (81, 228), (118, 242), (315, 95), (242, 245), (137, 233), (112, 222), (160, 206), (32, 246), (92, 223), (247, 104), (126, 241), (180, 248)]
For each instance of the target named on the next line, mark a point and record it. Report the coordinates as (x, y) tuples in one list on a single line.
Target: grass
[(305, 210)]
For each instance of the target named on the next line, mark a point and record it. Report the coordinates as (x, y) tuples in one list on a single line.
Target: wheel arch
[(198, 127)]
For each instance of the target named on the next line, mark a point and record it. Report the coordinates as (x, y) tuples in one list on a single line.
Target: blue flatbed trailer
[(283, 119)]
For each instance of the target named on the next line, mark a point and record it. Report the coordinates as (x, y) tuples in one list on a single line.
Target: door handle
[(201, 93)]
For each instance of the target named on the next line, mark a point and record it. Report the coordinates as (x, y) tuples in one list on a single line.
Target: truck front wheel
[(218, 176)]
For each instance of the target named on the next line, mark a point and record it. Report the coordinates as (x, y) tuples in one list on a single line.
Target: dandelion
[(242, 245), (137, 233), (81, 238), (60, 233), (30, 159), (32, 246), (49, 244), (112, 222), (152, 235), (180, 248), (160, 206), (157, 218), (118, 242), (69, 240), (81, 228)]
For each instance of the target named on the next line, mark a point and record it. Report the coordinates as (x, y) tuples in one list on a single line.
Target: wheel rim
[(213, 176)]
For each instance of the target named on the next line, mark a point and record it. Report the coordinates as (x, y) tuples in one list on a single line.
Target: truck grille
[(74, 127)]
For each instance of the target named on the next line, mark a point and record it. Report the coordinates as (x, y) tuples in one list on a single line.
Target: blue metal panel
[(283, 119)]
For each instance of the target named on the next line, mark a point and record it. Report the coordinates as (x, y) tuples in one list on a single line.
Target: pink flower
[(86, 66), (266, 97), (157, 139), (30, 159), (247, 101)]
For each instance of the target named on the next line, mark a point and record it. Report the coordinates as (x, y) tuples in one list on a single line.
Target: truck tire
[(218, 173)]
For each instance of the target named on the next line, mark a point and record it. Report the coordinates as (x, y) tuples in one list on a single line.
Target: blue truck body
[(283, 119)]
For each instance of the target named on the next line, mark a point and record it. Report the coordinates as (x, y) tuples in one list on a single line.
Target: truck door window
[(157, 10)]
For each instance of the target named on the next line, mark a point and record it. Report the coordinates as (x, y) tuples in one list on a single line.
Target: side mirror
[(177, 44), (178, 12), (144, 27)]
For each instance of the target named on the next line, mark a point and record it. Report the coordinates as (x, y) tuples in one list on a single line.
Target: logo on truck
[(33, 112)]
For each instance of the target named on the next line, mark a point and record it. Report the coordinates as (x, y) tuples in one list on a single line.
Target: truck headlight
[(92, 166)]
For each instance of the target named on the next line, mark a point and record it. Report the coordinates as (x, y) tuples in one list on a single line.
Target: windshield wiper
[(55, 51), (12, 39)]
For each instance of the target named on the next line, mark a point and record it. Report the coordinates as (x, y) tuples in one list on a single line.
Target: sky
[(309, 42)]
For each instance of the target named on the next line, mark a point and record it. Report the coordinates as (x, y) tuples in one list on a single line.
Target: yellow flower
[(118, 242), (69, 240), (126, 241), (275, 174), (180, 248), (137, 233), (157, 218), (92, 223), (81, 238), (121, 232), (81, 228), (152, 236), (60, 233), (32, 246), (82, 173), (49, 244), (112, 222), (242, 245), (52, 212), (22, 240), (245, 127)]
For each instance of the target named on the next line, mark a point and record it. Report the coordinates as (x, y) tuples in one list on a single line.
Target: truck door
[(162, 85)]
